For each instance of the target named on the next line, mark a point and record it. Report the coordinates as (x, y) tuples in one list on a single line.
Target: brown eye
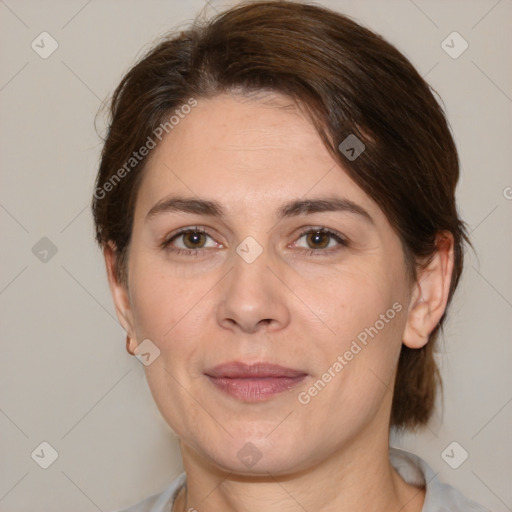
[(318, 239), (193, 239), (190, 241), (321, 240)]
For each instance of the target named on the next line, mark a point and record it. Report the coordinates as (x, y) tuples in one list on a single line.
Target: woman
[(276, 206)]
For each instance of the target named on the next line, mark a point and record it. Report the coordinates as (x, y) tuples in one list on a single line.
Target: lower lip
[(255, 389)]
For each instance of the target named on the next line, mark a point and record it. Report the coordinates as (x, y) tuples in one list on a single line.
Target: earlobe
[(430, 297), (129, 348), (119, 291), (417, 329)]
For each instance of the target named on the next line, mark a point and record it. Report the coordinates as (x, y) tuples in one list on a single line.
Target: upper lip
[(240, 370)]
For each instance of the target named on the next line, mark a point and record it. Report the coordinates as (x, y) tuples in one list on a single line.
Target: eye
[(189, 240), (320, 240)]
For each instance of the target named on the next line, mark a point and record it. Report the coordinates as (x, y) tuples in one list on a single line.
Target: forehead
[(245, 151)]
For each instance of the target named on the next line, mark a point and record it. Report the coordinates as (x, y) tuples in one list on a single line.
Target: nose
[(253, 298)]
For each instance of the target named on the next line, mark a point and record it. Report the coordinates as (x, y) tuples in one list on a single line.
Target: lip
[(240, 370), (254, 382)]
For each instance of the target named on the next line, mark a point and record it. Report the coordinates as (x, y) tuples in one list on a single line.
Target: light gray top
[(439, 497)]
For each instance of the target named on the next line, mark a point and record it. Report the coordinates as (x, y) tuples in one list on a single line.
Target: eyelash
[(166, 244)]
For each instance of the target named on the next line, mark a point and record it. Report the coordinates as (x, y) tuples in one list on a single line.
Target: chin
[(258, 457)]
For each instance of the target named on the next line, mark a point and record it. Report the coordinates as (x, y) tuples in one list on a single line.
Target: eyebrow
[(290, 209)]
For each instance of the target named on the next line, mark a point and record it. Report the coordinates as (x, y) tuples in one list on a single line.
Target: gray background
[(65, 377)]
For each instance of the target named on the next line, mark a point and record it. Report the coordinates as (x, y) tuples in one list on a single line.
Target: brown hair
[(350, 81)]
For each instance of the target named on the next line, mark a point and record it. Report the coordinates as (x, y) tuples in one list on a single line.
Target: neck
[(356, 479)]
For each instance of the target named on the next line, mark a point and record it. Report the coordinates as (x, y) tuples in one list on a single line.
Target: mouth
[(256, 382)]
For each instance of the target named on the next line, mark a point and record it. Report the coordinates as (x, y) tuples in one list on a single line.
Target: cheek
[(170, 313), (166, 309), (155, 306), (158, 295), (351, 299), (355, 373), (364, 309)]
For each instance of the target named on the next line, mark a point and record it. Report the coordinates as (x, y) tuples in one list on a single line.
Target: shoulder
[(439, 497), (161, 501)]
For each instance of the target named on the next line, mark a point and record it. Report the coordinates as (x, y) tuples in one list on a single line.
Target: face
[(252, 245)]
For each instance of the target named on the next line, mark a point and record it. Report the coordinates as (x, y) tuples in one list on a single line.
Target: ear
[(430, 294), (119, 292)]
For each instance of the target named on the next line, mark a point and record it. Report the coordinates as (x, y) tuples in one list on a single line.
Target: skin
[(291, 307)]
